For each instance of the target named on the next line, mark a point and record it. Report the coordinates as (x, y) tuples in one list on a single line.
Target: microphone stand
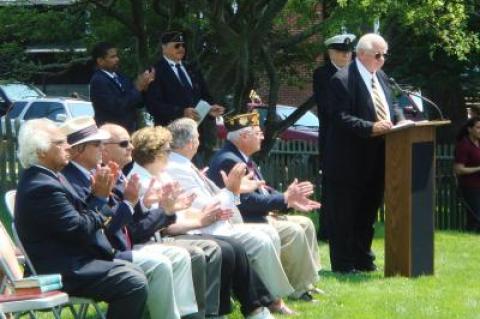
[(408, 92)]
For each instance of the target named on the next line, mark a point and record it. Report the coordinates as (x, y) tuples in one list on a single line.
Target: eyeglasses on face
[(122, 144), (379, 55), (179, 45)]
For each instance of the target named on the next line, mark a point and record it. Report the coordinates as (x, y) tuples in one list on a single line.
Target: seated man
[(151, 150), (171, 292), (235, 272), (300, 256), (207, 255), (59, 232)]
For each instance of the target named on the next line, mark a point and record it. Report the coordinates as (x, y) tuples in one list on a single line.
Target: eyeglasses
[(179, 45), (122, 144), (379, 55)]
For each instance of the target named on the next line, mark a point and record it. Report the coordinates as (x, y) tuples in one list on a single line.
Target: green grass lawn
[(453, 292)]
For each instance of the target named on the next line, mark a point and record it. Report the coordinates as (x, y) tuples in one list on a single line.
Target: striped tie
[(377, 102)]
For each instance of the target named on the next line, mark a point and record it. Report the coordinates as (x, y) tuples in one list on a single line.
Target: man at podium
[(355, 164)]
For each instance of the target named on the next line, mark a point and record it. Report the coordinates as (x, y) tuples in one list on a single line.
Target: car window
[(308, 119), (19, 91), (16, 109), (80, 109), (44, 109)]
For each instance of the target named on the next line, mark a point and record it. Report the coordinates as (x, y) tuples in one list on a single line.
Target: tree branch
[(299, 37)]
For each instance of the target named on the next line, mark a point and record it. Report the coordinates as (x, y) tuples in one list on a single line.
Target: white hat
[(341, 42), (83, 129)]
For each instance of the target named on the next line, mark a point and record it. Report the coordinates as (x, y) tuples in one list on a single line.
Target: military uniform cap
[(341, 42), (239, 121), (171, 36)]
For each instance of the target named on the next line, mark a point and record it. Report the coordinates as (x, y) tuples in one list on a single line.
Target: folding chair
[(83, 303), (9, 265)]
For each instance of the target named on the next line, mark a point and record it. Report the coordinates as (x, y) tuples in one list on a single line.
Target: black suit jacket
[(354, 157), (166, 97), (118, 211), (254, 206), (145, 223), (58, 232), (115, 104), (322, 93)]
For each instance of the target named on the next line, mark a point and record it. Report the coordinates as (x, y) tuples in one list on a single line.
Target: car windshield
[(80, 109), (18, 91), (307, 120)]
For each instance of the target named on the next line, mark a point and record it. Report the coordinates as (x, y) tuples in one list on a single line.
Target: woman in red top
[(467, 169)]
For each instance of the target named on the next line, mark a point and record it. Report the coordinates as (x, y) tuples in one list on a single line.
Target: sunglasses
[(122, 144), (179, 45), (379, 55)]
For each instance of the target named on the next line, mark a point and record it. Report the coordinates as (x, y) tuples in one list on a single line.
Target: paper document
[(202, 109), (402, 125)]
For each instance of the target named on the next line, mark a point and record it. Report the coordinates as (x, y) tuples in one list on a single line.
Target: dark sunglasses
[(179, 45), (122, 144), (379, 55)]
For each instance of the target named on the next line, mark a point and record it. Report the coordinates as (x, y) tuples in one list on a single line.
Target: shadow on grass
[(355, 278)]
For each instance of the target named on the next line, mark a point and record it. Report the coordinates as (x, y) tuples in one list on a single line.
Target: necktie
[(378, 103), (116, 79), (182, 77)]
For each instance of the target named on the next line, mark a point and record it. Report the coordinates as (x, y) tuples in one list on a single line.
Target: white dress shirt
[(174, 69), (367, 79)]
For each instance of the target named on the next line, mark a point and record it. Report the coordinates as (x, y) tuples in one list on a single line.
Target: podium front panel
[(422, 226)]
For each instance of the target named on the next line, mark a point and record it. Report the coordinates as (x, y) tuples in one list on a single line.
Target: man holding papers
[(354, 165), (178, 88)]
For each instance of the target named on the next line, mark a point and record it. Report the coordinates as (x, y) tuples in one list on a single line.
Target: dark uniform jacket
[(254, 206), (355, 158)]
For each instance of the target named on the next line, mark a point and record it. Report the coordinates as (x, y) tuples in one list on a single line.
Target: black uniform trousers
[(239, 277), (124, 288), (352, 213)]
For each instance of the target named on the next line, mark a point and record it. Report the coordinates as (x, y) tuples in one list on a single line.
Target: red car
[(305, 128)]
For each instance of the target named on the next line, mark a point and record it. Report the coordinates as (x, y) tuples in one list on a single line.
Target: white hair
[(183, 132), (34, 137), (235, 135), (367, 40)]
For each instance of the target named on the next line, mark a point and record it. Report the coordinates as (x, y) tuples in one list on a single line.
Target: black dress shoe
[(351, 271), (367, 268)]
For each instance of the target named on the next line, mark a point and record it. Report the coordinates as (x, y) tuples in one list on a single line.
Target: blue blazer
[(115, 104), (145, 222), (254, 206), (59, 232), (118, 211), (354, 158)]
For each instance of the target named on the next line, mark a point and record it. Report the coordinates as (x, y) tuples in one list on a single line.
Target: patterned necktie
[(378, 103), (182, 77)]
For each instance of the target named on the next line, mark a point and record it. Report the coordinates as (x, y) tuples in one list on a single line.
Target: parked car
[(15, 91), (305, 128), (57, 109)]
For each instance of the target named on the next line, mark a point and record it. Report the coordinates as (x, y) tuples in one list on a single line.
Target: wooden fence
[(286, 161)]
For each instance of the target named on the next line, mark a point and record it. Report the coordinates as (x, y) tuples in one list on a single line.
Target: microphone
[(408, 92)]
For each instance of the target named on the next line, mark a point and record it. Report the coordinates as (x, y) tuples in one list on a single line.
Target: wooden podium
[(410, 200)]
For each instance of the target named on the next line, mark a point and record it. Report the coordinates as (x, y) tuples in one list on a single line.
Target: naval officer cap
[(341, 42), (171, 36)]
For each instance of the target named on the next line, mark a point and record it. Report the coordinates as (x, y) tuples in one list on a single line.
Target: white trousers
[(169, 272)]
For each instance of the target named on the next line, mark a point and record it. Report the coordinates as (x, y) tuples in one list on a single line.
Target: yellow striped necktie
[(378, 103)]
